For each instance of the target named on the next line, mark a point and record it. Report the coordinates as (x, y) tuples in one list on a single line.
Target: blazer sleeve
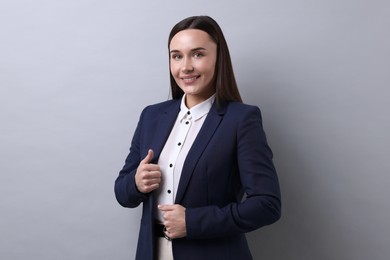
[(126, 191), (262, 203)]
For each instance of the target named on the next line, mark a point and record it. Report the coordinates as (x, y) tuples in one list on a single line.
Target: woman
[(193, 158)]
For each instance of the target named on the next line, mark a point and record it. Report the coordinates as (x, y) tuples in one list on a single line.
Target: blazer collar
[(168, 118), (204, 136), (164, 127)]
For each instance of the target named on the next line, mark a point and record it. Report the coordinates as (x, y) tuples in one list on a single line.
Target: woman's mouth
[(189, 79)]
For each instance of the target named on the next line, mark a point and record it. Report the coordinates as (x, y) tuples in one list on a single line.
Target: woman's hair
[(225, 82)]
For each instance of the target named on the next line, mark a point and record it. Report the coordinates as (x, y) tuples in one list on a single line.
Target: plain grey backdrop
[(75, 75)]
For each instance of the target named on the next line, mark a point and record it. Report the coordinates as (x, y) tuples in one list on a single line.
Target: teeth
[(189, 79)]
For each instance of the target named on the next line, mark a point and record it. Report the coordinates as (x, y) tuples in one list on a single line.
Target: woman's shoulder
[(161, 106), (239, 107), (238, 112)]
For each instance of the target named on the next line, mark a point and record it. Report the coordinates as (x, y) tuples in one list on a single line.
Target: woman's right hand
[(148, 175)]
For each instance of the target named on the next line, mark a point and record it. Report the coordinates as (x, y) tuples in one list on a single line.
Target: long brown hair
[(225, 82)]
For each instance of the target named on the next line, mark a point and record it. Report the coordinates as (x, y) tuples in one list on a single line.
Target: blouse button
[(171, 165), (169, 191), (179, 144)]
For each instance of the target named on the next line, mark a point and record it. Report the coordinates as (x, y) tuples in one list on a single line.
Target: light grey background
[(75, 74)]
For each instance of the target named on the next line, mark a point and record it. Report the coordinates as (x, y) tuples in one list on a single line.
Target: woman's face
[(193, 55)]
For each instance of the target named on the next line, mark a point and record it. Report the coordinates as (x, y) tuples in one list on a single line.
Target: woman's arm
[(262, 205), (126, 191)]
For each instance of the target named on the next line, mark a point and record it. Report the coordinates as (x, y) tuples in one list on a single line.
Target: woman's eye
[(198, 55), (176, 57)]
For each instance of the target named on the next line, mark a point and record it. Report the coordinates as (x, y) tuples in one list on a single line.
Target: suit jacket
[(229, 157)]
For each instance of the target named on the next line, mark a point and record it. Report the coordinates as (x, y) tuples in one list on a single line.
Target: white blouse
[(174, 153)]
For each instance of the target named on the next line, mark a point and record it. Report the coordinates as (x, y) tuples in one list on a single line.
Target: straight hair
[(225, 83)]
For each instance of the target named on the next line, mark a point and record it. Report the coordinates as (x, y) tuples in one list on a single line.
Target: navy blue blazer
[(229, 157)]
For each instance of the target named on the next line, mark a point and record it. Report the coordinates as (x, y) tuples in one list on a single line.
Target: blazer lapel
[(163, 129), (203, 138)]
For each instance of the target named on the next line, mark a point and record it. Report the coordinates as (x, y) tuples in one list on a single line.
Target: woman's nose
[(187, 65)]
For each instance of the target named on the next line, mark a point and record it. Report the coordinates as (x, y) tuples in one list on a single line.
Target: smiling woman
[(193, 157), (192, 62), (224, 80)]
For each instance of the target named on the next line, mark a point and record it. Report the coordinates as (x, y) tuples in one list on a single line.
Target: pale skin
[(193, 56)]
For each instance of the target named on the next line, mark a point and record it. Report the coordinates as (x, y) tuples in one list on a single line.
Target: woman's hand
[(148, 175), (174, 220)]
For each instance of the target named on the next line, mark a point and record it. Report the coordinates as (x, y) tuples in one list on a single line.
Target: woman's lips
[(189, 79)]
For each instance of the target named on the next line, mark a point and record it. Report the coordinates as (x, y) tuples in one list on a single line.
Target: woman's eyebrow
[(195, 49), (199, 49)]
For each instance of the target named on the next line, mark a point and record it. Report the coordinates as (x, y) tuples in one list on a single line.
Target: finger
[(153, 187), (150, 167), (154, 173), (151, 176), (166, 207), (148, 157), (151, 181)]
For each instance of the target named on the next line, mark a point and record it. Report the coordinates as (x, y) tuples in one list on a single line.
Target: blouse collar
[(196, 112)]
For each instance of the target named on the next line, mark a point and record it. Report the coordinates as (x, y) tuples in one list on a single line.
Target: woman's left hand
[(174, 220)]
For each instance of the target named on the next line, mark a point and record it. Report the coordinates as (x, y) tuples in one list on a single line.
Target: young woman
[(193, 158)]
